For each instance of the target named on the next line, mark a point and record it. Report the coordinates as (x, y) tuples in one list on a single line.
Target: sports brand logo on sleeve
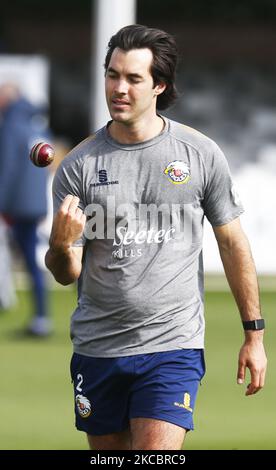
[(178, 172)]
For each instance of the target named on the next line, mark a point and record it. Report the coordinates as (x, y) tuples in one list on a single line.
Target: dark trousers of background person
[(25, 233)]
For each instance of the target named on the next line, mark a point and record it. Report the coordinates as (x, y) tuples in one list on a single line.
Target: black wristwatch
[(254, 324)]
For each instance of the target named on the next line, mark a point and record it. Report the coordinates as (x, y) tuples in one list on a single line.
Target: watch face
[(254, 324)]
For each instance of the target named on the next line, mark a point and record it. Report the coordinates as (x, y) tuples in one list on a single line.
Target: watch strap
[(254, 324)]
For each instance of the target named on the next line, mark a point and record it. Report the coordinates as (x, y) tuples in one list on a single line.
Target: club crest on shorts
[(178, 172), (186, 402), (83, 406)]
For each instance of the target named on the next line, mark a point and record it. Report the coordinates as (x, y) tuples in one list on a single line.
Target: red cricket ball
[(42, 154)]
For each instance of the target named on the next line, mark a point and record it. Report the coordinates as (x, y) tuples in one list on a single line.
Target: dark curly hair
[(164, 51)]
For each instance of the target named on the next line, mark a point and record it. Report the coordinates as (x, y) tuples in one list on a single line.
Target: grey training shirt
[(141, 287)]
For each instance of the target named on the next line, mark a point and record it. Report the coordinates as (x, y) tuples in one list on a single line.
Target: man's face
[(130, 93)]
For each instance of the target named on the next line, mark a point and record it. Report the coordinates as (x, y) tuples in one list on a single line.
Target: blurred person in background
[(7, 288), (138, 330), (23, 201)]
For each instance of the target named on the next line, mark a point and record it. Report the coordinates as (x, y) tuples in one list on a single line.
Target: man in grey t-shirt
[(129, 206)]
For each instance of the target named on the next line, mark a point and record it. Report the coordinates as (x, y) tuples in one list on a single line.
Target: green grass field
[(36, 405)]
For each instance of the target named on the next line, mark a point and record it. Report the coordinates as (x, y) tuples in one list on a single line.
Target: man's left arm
[(241, 275)]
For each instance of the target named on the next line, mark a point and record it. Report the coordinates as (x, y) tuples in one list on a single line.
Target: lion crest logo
[(178, 172), (83, 406)]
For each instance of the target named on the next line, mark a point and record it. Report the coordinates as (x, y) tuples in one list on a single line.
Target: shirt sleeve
[(221, 202), (67, 180)]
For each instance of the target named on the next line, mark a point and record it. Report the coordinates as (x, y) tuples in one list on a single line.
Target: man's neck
[(136, 132)]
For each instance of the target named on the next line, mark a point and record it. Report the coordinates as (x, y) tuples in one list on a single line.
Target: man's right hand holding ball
[(63, 259), (68, 224)]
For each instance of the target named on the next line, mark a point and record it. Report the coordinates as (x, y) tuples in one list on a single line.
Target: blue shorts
[(109, 392)]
